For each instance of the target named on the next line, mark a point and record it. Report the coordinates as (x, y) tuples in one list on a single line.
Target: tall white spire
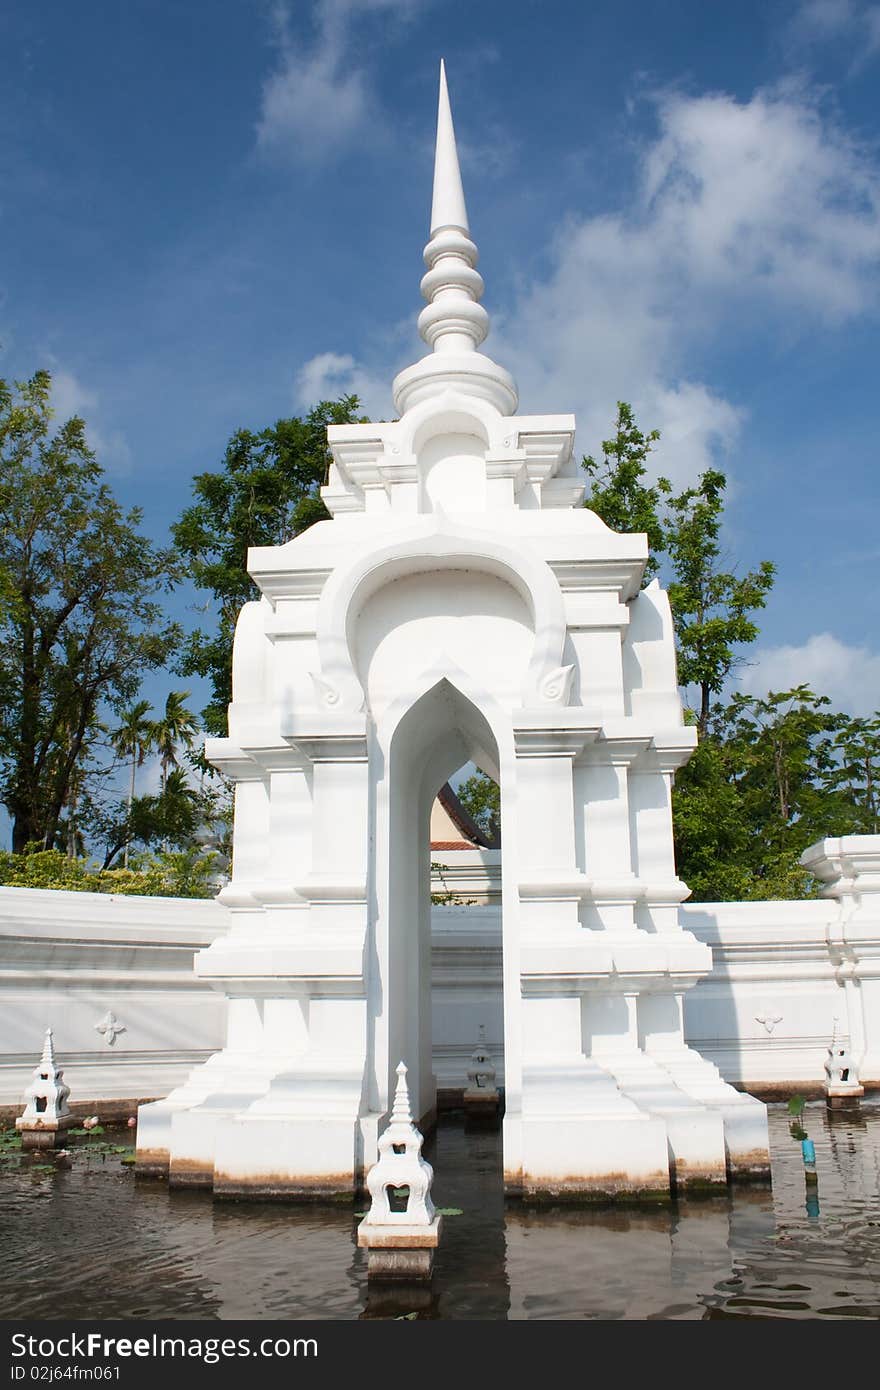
[(448, 206), (453, 323)]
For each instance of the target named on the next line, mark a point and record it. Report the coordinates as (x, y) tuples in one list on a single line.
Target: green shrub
[(168, 874)]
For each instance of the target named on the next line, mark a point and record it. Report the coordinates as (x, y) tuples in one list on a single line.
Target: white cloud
[(332, 374), (820, 21), (760, 214), (318, 99), (848, 675), (70, 397), (768, 198), (824, 17)]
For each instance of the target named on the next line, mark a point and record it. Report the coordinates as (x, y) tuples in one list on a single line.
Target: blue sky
[(211, 215)]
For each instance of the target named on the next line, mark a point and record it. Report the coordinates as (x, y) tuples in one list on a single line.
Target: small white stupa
[(401, 1244), (46, 1116), (841, 1087), (481, 1099)]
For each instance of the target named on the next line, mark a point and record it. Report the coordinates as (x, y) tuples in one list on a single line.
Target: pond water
[(85, 1239)]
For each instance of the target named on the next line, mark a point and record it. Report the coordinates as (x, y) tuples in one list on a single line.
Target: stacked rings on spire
[(452, 286)]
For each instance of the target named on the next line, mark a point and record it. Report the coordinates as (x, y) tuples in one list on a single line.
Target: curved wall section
[(480, 622)]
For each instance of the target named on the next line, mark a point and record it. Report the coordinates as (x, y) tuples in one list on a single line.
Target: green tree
[(856, 772), (266, 491), (180, 817), (618, 491), (783, 743), (480, 795), (176, 728), (711, 606), (755, 794), (133, 738), (79, 620), (185, 873), (712, 837)]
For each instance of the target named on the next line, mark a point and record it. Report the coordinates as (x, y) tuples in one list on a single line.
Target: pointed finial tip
[(448, 205), (401, 1068)]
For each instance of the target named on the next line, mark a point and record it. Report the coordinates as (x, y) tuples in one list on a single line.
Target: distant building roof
[(452, 827)]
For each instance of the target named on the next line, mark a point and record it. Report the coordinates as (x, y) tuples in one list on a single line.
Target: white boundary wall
[(69, 959), (783, 973)]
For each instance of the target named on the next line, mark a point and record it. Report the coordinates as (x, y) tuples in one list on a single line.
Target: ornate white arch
[(442, 545)]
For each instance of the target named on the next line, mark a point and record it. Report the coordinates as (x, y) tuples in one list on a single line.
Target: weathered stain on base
[(378, 1238), (696, 1180), (850, 1102), (152, 1163), (286, 1187), (684, 1171), (784, 1090), (598, 1187), (750, 1165), (41, 1139), (190, 1172), (403, 1264)]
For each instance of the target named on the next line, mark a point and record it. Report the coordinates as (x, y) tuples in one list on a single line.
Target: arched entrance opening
[(440, 732), (467, 995)]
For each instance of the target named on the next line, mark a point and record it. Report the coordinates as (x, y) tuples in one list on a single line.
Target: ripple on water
[(134, 1249)]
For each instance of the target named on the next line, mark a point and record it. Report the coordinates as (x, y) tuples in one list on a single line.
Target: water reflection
[(87, 1241), (624, 1263)]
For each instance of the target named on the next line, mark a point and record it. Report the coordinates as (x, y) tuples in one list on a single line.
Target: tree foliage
[(266, 491), (181, 814), (712, 607), (80, 624), (480, 795), (175, 729), (132, 739), (185, 873), (759, 789), (619, 492), (856, 774)]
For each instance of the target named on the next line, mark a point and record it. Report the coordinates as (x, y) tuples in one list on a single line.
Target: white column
[(336, 885), (604, 810), (550, 880), (650, 796)]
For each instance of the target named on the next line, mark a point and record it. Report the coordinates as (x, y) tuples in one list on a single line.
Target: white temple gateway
[(460, 605)]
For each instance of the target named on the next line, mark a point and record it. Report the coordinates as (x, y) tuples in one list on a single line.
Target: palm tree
[(133, 739), (177, 726)]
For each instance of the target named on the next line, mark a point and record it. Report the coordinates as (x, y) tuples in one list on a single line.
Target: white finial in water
[(481, 1072), (400, 1165), (841, 1085), (46, 1114)]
